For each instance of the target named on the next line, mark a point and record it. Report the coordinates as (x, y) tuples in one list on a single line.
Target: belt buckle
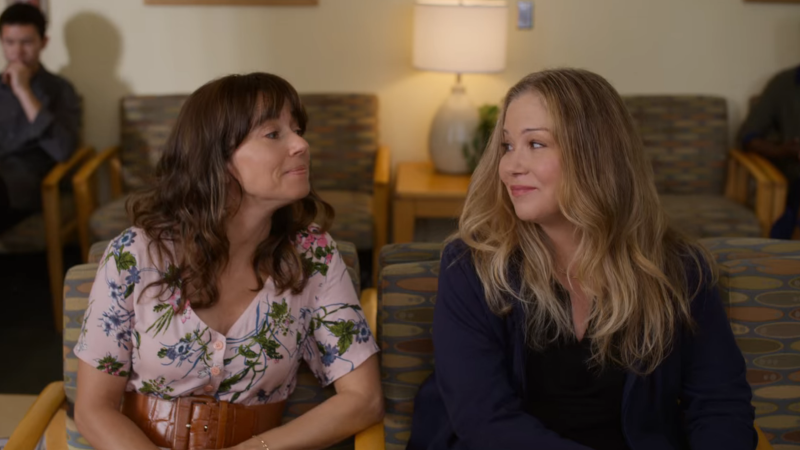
[(196, 400), (185, 418)]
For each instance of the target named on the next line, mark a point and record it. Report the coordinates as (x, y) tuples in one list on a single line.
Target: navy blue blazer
[(697, 398)]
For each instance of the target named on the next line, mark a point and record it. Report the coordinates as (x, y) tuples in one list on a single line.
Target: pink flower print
[(322, 241), (308, 241), (329, 258), (175, 300), (186, 314)]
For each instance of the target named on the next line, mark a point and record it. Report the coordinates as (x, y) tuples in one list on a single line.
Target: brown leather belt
[(202, 422)]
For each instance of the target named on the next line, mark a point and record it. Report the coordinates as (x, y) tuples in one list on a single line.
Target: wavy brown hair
[(185, 212), (636, 267)]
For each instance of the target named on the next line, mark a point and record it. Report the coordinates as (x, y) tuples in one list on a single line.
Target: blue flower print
[(133, 275), (330, 354), (179, 352), (116, 291), (362, 332), (111, 321), (123, 337), (126, 239)]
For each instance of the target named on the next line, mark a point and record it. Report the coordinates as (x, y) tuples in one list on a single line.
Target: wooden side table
[(420, 192)]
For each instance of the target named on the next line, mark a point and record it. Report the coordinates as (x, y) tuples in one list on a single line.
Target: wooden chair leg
[(55, 252)]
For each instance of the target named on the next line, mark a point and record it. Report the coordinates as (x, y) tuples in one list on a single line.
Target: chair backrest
[(686, 138), (759, 283), (78, 285), (342, 134), (145, 124), (407, 293)]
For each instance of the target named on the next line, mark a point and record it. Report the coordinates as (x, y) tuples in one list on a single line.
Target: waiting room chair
[(350, 170), (705, 186), (50, 229), (757, 282), (51, 416)]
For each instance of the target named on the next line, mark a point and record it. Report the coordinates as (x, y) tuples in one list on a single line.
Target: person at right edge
[(772, 129), (570, 315)]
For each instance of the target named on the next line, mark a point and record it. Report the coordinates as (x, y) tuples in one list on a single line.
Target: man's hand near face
[(18, 76)]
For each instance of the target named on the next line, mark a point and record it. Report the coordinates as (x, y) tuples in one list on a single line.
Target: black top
[(473, 400), (579, 401)]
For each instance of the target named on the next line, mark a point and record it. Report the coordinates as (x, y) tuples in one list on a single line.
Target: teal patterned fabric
[(145, 124), (342, 134), (78, 285), (759, 282), (109, 220), (406, 298), (704, 216), (686, 137), (410, 252)]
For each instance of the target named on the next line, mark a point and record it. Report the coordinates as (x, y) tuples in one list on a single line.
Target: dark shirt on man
[(775, 116), (28, 150)]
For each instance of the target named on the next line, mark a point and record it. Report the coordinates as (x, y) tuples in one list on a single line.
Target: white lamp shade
[(460, 36)]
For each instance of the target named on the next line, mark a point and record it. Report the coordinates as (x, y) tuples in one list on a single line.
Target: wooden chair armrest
[(90, 168), (763, 442), (745, 160), (57, 173), (741, 168), (383, 165), (84, 186), (369, 304), (769, 169), (33, 425), (380, 206), (780, 185), (373, 438)]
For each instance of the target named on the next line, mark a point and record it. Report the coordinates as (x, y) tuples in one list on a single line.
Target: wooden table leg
[(403, 221)]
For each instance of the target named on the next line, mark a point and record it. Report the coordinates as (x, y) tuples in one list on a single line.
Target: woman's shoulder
[(457, 253), (132, 247), (316, 247), (130, 240)]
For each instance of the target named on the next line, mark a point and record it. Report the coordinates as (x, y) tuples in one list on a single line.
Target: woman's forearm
[(109, 429), (339, 417)]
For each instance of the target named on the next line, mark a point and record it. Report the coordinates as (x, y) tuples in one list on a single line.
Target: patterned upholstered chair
[(705, 187), (52, 228), (760, 284), (52, 414), (350, 170), (407, 294)]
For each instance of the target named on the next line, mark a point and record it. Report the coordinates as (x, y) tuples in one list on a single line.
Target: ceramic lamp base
[(452, 129)]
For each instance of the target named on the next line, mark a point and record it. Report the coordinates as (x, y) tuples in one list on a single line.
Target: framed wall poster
[(233, 2), (42, 4)]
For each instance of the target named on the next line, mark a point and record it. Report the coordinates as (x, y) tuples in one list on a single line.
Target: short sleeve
[(340, 338), (106, 338)]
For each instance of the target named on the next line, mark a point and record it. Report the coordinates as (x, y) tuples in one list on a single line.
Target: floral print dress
[(169, 353)]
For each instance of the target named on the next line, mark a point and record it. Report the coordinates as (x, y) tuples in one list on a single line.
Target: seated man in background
[(772, 129), (39, 115)]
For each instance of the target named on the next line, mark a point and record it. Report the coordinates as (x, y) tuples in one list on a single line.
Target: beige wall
[(113, 47)]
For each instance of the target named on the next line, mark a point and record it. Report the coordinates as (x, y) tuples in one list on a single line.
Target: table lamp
[(458, 36)]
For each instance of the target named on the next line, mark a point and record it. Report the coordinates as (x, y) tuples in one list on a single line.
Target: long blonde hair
[(635, 266)]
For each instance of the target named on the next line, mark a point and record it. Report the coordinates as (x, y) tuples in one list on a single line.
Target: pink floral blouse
[(171, 354)]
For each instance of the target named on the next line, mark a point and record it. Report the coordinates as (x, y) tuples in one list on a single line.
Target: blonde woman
[(570, 315)]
